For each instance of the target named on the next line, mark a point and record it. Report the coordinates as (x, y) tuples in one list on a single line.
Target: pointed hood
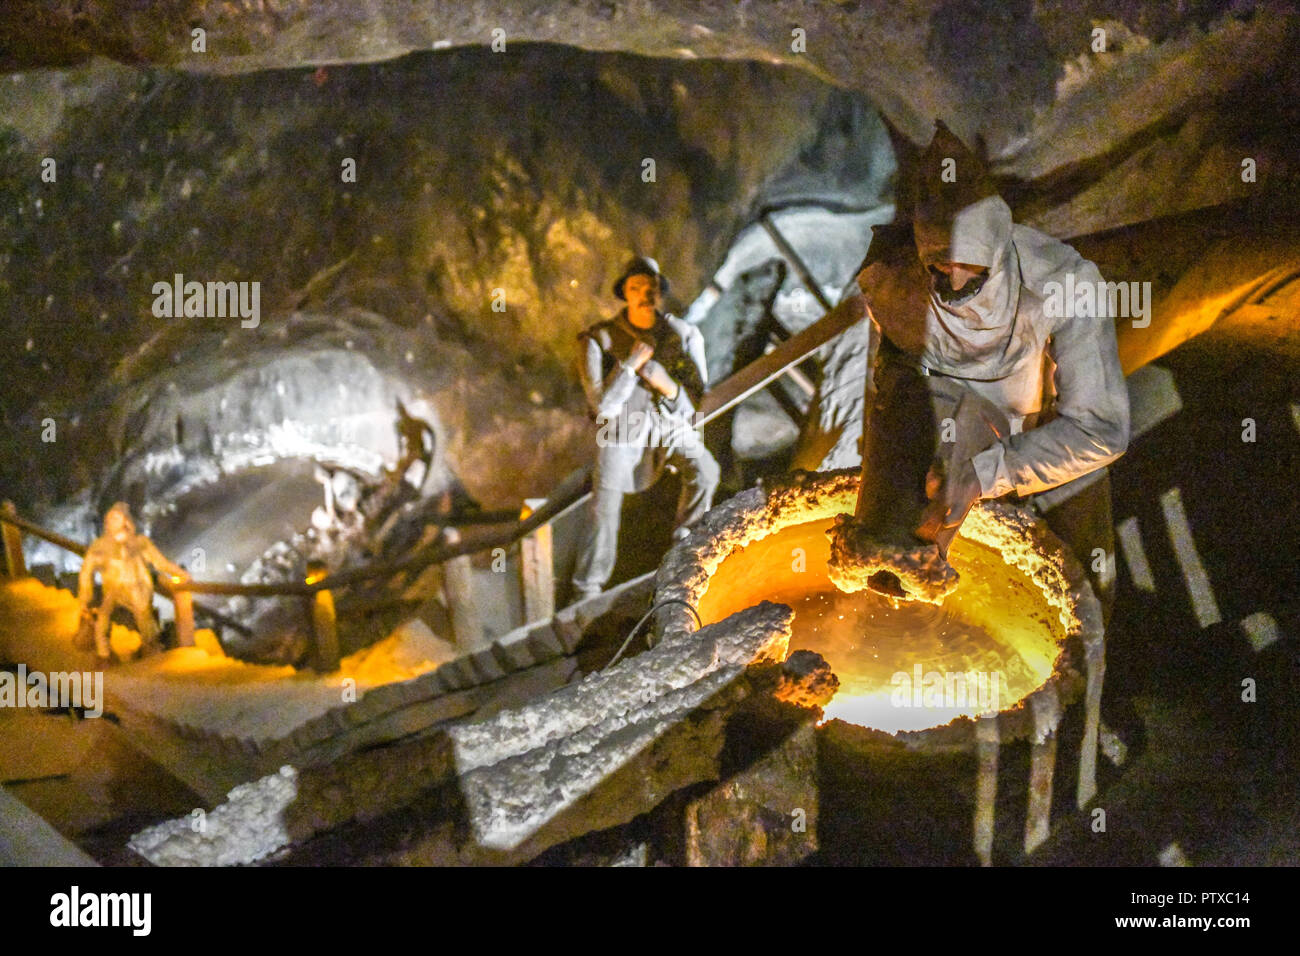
[(959, 216)]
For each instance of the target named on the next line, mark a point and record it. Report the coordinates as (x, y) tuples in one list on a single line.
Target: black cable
[(640, 623)]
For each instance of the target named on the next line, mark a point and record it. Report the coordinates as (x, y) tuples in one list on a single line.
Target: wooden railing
[(455, 546), (13, 527)]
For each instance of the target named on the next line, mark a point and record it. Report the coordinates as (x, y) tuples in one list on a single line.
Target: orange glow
[(909, 665)]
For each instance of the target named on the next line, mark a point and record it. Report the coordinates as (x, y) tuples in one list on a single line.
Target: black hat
[(640, 266)]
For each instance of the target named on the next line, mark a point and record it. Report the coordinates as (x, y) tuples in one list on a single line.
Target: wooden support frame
[(537, 568)]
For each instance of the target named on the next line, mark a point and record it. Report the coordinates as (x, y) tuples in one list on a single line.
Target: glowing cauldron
[(999, 661)]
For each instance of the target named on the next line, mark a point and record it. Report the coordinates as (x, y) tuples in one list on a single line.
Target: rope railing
[(315, 592), (476, 535), (11, 523), (570, 490)]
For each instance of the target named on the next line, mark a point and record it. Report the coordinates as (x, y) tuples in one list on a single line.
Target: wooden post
[(325, 631), (183, 608), (458, 590), (324, 622), (537, 568), (986, 785), (792, 257), (13, 541), (1042, 764)]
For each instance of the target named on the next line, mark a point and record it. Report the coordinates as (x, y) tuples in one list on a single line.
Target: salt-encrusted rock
[(248, 827), (860, 561), (600, 752), (807, 680)]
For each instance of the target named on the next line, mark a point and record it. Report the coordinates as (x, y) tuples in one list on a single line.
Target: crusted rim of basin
[(753, 514)]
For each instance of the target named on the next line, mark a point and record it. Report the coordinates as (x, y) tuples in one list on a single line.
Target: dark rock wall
[(480, 179), (1156, 121)]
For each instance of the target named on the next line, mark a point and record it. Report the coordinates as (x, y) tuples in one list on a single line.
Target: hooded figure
[(123, 559), (963, 294)]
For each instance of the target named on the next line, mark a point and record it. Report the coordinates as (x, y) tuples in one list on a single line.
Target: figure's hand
[(951, 498), (657, 377), (641, 353)]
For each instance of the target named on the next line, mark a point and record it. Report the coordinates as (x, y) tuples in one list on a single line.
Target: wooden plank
[(537, 570), (738, 387), (792, 257)]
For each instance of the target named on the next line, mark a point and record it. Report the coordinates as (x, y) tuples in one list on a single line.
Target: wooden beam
[(792, 257), (756, 375)]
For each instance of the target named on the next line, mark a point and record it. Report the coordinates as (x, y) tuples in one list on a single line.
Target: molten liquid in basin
[(908, 666)]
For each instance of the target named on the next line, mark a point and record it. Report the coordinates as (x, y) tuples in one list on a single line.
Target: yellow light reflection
[(904, 666)]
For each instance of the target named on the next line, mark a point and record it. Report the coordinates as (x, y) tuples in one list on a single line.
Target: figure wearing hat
[(962, 294), (123, 559), (644, 373)]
